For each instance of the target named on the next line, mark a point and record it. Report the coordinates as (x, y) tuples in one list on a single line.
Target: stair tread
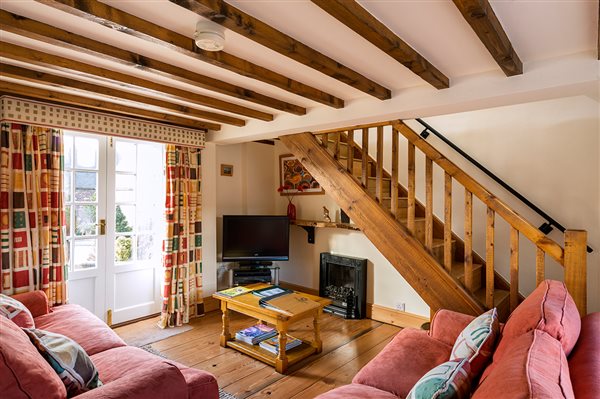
[(439, 242), (499, 295), (458, 268)]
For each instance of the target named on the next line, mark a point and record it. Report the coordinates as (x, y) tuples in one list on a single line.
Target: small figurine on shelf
[(326, 215), (288, 190)]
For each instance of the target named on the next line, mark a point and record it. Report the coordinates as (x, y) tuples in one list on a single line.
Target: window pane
[(124, 218), (125, 188), (124, 248), (67, 186), (86, 186), (68, 219), (145, 247), (125, 156), (85, 220), (68, 254), (86, 153), (68, 149), (84, 254)]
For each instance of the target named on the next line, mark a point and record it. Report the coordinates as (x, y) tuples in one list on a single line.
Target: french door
[(114, 205)]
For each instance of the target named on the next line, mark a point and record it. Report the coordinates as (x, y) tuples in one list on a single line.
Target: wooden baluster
[(336, 145), (540, 267), (428, 203), (394, 182), (350, 159), (411, 188), (448, 222), (469, 240), (379, 166), (365, 158), (325, 140), (576, 267), (514, 268), (489, 258)]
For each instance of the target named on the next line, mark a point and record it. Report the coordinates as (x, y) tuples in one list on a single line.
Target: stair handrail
[(529, 230), (545, 228)]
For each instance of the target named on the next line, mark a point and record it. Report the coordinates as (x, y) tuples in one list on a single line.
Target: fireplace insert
[(344, 280)]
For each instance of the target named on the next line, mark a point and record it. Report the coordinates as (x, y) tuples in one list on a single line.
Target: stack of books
[(272, 344), (255, 334)]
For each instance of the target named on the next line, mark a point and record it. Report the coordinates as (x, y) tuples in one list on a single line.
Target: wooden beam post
[(576, 267)]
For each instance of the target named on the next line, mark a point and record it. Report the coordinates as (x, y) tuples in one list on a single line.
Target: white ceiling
[(539, 30)]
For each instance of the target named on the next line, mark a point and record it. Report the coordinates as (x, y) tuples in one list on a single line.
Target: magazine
[(272, 344), (254, 334), (234, 291), (272, 291)]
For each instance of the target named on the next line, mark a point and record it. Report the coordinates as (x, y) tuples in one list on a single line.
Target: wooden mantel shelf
[(309, 226)]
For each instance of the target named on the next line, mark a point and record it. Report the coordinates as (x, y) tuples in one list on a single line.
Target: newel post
[(576, 267)]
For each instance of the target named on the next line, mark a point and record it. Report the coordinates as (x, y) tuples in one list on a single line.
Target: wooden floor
[(347, 346)]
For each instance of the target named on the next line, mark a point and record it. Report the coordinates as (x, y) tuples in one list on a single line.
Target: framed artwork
[(292, 174), (226, 170)]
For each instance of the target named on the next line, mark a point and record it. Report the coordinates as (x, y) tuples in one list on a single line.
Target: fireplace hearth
[(344, 280)]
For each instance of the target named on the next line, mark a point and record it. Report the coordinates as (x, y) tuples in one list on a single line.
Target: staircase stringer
[(416, 265)]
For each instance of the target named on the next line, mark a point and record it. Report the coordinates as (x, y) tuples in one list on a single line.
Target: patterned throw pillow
[(68, 359), (477, 341), (16, 311), (450, 380)]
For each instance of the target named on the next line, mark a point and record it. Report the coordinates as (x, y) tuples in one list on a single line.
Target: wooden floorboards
[(347, 346)]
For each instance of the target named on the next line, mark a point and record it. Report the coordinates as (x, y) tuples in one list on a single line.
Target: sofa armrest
[(160, 380), (35, 301), (446, 325)]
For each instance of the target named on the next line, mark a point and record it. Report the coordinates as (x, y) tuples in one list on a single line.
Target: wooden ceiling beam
[(82, 70), (50, 35), (256, 30), (80, 87), (357, 18), (105, 15), (95, 103), (480, 15)]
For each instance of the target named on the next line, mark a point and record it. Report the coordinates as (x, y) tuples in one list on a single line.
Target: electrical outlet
[(400, 306)]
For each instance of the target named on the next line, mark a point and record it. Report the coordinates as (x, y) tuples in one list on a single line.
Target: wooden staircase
[(439, 265)]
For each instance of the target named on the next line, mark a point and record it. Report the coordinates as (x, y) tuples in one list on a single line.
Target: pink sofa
[(126, 371), (545, 351)]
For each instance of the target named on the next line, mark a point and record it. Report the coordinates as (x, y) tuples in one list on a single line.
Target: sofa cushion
[(36, 302), (584, 362), (24, 374), (356, 391), (449, 380), (549, 308), (410, 355), (81, 326), (68, 359), (477, 342), (114, 363), (16, 311), (534, 366)]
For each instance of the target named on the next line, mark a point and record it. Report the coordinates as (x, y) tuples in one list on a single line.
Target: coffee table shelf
[(294, 355)]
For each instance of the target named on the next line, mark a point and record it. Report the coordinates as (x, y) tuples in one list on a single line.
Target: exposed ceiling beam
[(107, 76), (357, 18), (123, 22), (254, 29), (80, 87), (46, 94), (48, 34), (480, 15)]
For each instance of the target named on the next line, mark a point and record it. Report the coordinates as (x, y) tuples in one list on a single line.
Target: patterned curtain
[(182, 247), (31, 211)]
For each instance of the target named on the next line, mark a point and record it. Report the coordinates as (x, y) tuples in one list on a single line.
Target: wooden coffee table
[(248, 304)]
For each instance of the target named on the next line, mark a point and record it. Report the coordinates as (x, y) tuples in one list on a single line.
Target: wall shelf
[(310, 225)]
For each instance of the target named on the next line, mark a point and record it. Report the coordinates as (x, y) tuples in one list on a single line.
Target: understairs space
[(347, 346)]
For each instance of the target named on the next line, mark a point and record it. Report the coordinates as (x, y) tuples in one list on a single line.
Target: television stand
[(253, 273)]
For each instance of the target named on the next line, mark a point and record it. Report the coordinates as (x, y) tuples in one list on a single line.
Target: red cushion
[(549, 308), (115, 363), (23, 371), (81, 326), (534, 366), (36, 302), (584, 362), (356, 391), (399, 366)]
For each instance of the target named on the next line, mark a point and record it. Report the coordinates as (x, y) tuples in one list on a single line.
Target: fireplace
[(343, 279)]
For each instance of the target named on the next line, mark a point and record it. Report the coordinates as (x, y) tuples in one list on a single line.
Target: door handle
[(102, 225)]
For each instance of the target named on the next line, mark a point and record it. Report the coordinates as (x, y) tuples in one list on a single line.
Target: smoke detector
[(209, 36)]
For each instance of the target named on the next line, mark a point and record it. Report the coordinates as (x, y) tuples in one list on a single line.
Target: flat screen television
[(249, 238)]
